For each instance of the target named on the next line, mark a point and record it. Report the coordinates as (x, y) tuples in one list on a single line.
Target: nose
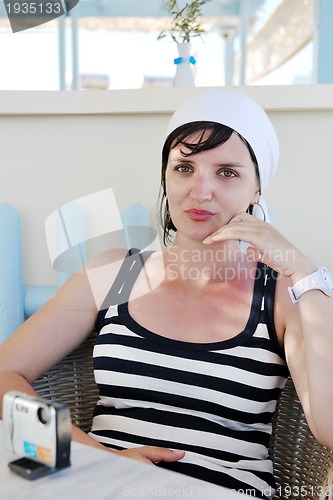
[(201, 188)]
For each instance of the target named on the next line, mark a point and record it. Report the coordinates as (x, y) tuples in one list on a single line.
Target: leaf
[(185, 23)]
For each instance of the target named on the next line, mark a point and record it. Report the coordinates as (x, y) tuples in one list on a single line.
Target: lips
[(199, 215)]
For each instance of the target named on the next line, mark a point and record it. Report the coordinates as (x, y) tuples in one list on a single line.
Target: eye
[(228, 174), (183, 168)]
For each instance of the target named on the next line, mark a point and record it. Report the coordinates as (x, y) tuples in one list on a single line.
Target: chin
[(195, 236)]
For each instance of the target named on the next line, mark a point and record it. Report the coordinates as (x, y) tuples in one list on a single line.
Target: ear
[(256, 197)]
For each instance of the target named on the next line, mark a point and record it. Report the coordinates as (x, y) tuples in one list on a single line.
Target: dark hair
[(219, 134)]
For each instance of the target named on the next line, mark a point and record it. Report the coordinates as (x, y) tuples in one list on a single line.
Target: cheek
[(173, 188), (174, 197), (238, 198)]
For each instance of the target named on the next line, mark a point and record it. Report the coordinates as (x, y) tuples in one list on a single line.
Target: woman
[(195, 342)]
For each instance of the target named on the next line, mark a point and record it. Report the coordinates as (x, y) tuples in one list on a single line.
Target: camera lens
[(43, 415)]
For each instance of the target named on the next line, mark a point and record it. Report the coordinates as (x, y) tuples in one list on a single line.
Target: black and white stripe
[(215, 401)]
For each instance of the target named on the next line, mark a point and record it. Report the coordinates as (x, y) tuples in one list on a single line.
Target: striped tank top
[(215, 400)]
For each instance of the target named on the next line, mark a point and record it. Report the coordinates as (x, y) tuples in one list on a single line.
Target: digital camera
[(37, 429)]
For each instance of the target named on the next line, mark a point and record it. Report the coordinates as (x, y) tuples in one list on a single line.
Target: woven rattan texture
[(301, 464), (72, 382)]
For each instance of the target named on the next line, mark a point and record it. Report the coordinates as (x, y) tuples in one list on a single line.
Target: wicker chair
[(303, 468), (72, 382)]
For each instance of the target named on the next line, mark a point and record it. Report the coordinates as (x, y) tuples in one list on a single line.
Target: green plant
[(185, 23)]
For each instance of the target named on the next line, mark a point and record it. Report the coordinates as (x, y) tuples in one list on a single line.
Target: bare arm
[(47, 337), (56, 330), (305, 328), (59, 327), (309, 348)]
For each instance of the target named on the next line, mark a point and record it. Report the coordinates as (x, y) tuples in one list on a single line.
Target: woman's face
[(207, 189)]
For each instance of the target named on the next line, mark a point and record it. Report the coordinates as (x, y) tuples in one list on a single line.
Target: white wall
[(58, 146)]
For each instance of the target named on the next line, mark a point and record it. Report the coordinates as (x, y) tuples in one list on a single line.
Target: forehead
[(197, 143)]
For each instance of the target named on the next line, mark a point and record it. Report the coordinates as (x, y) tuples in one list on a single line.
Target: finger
[(157, 455), (238, 228), (232, 231), (241, 217), (152, 455)]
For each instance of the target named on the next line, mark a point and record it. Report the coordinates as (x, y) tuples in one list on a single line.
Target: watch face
[(328, 277)]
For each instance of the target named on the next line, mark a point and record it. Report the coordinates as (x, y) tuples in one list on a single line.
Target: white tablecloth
[(98, 474)]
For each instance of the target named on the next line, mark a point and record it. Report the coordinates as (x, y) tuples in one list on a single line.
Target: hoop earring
[(262, 210), (167, 217)]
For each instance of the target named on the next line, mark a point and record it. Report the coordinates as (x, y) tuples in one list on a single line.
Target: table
[(98, 474)]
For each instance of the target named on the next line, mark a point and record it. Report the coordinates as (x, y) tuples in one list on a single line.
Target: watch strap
[(314, 281)]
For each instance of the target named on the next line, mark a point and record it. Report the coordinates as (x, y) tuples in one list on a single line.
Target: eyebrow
[(188, 159), (231, 164)]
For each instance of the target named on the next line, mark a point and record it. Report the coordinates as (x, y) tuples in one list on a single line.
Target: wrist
[(303, 269), (321, 279)]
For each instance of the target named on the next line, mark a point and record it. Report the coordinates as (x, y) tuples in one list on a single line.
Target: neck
[(199, 263)]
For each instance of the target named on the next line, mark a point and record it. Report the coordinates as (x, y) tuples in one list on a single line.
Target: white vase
[(184, 74)]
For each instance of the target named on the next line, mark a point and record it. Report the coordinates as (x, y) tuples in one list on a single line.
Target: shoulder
[(102, 271)]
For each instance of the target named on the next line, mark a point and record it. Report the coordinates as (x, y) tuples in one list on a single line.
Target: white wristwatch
[(321, 279)]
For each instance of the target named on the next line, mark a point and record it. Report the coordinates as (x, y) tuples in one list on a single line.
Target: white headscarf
[(245, 116)]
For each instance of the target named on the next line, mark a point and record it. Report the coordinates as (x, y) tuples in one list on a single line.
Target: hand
[(152, 454), (266, 245)]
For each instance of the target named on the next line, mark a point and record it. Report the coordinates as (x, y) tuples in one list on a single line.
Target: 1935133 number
[(34, 8)]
